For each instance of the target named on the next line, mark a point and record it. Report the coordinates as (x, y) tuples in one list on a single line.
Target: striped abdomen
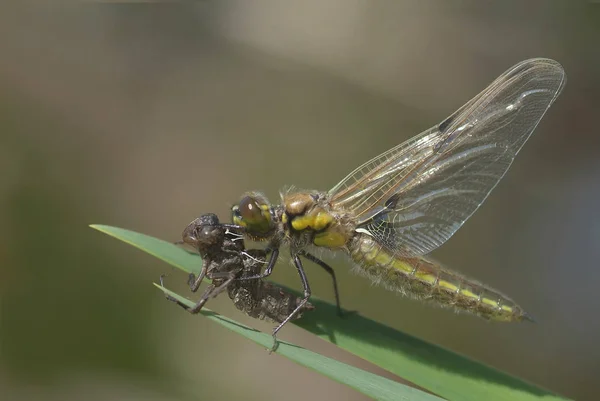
[(427, 280)]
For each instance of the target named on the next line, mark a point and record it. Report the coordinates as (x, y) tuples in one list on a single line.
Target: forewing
[(415, 196)]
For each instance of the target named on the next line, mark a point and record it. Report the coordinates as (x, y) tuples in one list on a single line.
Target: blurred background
[(146, 115)]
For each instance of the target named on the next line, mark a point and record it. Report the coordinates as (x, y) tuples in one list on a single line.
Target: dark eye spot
[(249, 210), (252, 213)]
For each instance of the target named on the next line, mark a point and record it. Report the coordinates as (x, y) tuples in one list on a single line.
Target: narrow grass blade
[(163, 250), (374, 386), (429, 366)]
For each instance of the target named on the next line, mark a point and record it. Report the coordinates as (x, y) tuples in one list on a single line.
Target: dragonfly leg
[(198, 305), (194, 281), (170, 298), (229, 276), (210, 292), (269, 268), (329, 270), (306, 287)]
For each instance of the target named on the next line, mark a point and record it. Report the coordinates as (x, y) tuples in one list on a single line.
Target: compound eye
[(250, 211), (253, 214)]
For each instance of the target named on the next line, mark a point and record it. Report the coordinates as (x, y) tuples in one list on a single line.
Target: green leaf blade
[(372, 385), (163, 250), (429, 366)]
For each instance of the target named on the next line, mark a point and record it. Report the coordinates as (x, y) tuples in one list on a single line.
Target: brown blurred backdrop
[(145, 116)]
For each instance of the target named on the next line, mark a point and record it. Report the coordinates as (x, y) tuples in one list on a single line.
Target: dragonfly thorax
[(303, 219), (310, 216)]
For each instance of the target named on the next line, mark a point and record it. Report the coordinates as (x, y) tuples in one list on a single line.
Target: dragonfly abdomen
[(426, 280)]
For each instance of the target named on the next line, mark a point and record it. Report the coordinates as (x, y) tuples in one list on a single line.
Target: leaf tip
[(99, 227)]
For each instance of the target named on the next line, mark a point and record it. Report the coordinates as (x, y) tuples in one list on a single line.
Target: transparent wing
[(415, 196)]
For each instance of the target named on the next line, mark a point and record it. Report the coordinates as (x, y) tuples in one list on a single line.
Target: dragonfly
[(390, 212), (226, 260)]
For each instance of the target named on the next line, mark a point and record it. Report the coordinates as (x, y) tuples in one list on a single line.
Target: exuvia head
[(253, 212), (204, 232)]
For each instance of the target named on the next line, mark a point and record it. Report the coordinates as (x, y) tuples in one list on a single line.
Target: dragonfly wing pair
[(414, 197)]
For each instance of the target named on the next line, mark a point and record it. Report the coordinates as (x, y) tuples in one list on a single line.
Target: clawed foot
[(162, 284)]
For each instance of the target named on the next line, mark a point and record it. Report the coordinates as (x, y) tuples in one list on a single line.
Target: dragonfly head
[(253, 212)]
